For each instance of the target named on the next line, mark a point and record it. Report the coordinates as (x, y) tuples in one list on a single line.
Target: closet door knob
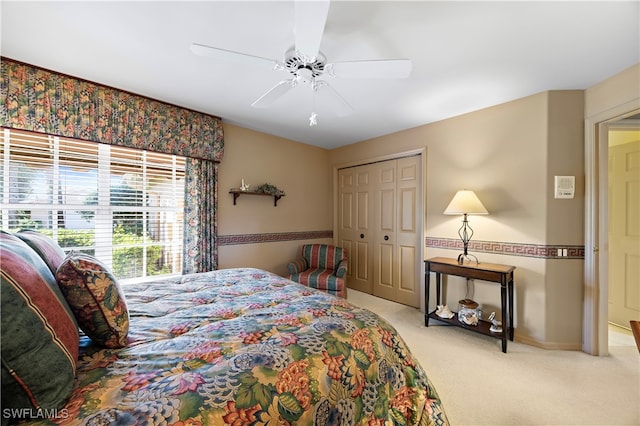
[(361, 235), (386, 238)]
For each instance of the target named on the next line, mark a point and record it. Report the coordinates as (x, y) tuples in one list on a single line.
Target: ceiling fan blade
[(274, 94), (230, 55), (327, 95), (310, 18), (389, 68)]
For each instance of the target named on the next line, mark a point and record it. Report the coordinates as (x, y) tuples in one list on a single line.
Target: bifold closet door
[(379, 207), (355, 200), (396, 244)]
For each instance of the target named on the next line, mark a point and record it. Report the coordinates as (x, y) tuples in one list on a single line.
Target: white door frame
[(595, 333)]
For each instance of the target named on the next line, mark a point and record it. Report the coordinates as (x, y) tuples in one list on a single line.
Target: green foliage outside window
[(127, 250), (127, 261)]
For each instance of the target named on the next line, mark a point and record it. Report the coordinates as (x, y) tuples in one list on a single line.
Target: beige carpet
[(480, 385)]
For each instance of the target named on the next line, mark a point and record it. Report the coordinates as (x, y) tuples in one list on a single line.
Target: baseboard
[(527, 340)]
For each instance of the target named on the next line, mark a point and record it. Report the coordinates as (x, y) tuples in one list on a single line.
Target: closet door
[(385, 211), (409, 235), (397, 239), (355, 199)]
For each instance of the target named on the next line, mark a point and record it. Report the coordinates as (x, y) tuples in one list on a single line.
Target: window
[(121, 205)]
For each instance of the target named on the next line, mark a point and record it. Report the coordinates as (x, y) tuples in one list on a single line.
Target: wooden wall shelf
[(237, 192)]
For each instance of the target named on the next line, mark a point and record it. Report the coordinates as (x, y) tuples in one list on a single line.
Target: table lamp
[(465, 202)]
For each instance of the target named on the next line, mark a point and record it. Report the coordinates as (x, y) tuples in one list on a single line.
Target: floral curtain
[(38, 100), (201, 216), (43, 101)]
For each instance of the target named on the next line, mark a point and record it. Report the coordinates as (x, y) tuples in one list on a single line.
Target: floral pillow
[(95, 298)]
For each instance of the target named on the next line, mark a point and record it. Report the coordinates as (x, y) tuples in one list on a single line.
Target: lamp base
[(463, 256)]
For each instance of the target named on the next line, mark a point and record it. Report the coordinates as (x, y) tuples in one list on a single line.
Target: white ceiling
[(466, 55)]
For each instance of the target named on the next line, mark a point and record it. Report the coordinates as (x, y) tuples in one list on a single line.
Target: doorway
[(597, 219)]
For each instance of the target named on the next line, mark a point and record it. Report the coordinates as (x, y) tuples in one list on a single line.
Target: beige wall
[(508, 154), (564, 278), (301, 171)]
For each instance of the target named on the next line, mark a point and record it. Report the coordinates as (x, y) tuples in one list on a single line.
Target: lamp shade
[(465, 202)]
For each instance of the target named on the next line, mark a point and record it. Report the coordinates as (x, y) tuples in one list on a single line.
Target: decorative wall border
[(511, 249), (231, 240), (495, 247)]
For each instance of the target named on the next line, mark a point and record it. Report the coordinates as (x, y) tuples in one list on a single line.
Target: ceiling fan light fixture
[(295, 61), (304, 75)]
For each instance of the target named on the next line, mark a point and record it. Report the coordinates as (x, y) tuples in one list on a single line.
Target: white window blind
[(121, 205)]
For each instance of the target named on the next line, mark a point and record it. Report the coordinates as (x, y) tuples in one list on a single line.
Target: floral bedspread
[(244, 346)]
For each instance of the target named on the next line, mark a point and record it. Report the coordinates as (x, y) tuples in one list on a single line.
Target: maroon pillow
[(47, 249)]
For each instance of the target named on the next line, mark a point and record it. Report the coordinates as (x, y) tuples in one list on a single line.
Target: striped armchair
[(321, 266)]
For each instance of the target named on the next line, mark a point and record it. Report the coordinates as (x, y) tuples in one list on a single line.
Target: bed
[(245, 346)]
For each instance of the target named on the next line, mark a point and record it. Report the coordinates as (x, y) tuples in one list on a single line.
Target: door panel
[(362, 218), (363, 229), (624, 233), (363, 268), (346, 226), (385, 271), (409, 238), (408, 210), (346, 215), (354, 206), (387, 206)]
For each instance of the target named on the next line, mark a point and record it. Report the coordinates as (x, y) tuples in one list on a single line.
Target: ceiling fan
[(307, 65)]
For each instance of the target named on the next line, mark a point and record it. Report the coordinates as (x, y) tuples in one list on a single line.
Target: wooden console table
[(501, 274)]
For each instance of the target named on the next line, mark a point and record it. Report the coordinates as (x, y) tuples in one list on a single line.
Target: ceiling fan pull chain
[(313, 118)]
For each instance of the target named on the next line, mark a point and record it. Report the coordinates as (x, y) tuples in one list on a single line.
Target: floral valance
[(39, 100)]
